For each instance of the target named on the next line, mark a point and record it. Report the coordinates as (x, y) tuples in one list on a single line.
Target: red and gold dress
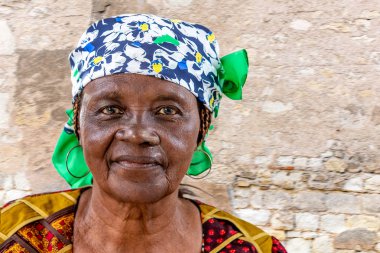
[(45, 223)]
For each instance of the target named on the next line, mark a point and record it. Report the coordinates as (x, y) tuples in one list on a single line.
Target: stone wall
[(299, 156)]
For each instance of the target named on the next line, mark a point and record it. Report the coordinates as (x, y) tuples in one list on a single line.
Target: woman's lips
[(137, 162)]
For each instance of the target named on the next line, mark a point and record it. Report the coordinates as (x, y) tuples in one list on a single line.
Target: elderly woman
[(144, 90)]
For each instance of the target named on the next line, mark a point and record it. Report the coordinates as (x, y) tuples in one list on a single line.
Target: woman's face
[(138, 135)]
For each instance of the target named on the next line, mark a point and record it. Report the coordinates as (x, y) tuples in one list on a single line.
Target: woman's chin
[(139, 192)]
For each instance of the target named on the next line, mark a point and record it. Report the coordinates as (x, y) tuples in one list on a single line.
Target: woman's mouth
[(137, 162)]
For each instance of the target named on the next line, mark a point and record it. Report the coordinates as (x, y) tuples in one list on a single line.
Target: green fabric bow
[(69, 155), (234, 74), (68, 142)]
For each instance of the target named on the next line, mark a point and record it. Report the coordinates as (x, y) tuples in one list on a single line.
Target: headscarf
[(183, 53)]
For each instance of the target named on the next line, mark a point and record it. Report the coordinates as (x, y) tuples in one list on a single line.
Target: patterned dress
[(45, 223)]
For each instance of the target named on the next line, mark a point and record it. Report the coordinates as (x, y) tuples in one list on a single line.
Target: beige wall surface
[(299, 156)]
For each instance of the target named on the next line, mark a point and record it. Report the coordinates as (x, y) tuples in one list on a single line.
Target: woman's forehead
[(136, 86)]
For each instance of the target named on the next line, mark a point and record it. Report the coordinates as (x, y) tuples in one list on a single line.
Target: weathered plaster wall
[(299, 155)]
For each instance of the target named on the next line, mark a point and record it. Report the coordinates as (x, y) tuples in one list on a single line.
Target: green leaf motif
[(166, 38)]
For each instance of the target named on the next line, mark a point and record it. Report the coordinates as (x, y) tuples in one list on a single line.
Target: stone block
[(239, 203), (264, 175), (339, 27), (277, 200), (371, 168), (339, 154), (300, 162), (242, 192), (343, 203), (336, 165), (293, 234), (282, 221), (323, 244), (256, 198), (354, 184), (373, 183), (309, 235), (371, 223), (298, 245), (243, 182), (356, 239), (371, 203), (321, 181), (286, 179), (257, 217), (377, 247), (262, 160), (285, 160), (309, 201), (315, 162), (7, 43), (327, 154), (307, 221), (333, 223)]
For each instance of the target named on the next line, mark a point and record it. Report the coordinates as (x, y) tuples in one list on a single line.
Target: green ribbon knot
[(233, 74)]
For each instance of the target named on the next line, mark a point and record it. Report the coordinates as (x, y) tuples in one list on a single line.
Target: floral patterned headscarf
[(184, 53)]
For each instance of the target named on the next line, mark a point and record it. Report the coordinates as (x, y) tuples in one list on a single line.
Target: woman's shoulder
[(224, 231), (23, 217)]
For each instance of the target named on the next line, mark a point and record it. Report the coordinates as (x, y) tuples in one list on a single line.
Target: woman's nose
[(138, 134)]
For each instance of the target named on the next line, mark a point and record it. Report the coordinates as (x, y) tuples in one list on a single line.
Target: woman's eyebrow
[(114, 94), (176, 97)]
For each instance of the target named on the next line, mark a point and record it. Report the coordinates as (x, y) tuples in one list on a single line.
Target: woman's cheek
[(95, 141), (183, 145)]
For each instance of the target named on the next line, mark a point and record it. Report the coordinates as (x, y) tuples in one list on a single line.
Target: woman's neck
[(126, 227)]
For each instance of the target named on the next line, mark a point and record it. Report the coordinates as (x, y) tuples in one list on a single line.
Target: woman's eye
[(167, 111), (109, 110)]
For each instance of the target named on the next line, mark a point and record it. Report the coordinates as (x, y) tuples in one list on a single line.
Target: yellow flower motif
[(97, 59), (212, 101), (198, 57), (157, 67), (144, 27), (211, 37), (175, 21)]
